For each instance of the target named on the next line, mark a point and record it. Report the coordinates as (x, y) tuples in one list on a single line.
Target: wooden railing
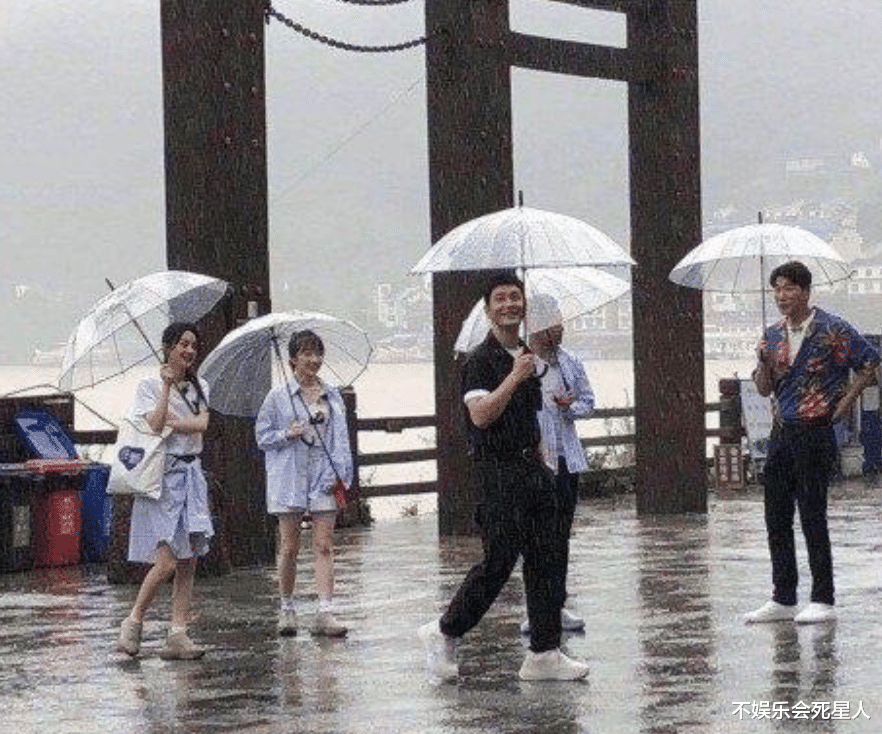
[(398, 425)]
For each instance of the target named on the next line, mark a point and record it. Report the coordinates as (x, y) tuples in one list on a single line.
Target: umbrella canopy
[(233, 369), (554, 295), (124, 328), (740, 260), (522, 237)]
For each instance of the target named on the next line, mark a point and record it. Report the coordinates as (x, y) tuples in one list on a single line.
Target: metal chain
[(293, 25)]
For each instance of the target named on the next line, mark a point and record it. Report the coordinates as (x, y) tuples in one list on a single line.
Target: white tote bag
[(138, 460)]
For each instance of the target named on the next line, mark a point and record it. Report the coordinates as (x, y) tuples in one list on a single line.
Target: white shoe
[(569, 622), (287, 624), (440, 652), (326, 625), (816, 612), (129, 637), (178, 646), (551, 665), (771, 611)]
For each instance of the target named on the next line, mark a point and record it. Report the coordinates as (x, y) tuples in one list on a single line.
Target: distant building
[(404, 309), (867, 278), (385, 305)]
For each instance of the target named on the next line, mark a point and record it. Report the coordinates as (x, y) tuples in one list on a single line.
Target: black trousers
[(796, 475), (518, 516), (567, 486)]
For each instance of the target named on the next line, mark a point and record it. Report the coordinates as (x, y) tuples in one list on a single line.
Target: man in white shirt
[(566, 396), (518, 513)]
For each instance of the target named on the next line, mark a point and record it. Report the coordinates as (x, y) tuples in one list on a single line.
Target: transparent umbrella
[(522, 238), (740, 260), (573, 291), (239, 368), (124, 328)]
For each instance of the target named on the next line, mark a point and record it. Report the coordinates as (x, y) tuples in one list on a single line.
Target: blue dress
[(181, 517), (299, 475)]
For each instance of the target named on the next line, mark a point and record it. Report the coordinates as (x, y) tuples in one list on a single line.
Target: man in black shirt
[(518, 514)]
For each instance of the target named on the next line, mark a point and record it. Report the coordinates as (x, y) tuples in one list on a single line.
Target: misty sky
[(81, 172)]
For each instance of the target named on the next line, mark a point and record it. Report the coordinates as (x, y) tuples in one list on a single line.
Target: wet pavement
[(663, 598)]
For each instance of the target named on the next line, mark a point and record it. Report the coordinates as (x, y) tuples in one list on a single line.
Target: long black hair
[(170, 337)]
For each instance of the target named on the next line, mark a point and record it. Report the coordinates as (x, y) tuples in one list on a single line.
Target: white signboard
[(756, 415)]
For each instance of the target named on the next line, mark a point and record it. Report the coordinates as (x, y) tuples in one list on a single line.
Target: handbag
[(341, 494), (138, 460)]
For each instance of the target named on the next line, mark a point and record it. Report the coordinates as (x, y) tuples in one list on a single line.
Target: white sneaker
[(771, 611), (440, 652), (551, 665), (569, 622), (287, 624), (816, 612), (129, 637), (327, 625)]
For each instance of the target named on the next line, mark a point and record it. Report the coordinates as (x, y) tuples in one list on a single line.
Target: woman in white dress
[(301, 428), (172, 531)]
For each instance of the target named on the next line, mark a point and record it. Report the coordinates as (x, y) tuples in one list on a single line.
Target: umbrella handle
[(135, 323), (759, 219), (193, 408), (763, 290)]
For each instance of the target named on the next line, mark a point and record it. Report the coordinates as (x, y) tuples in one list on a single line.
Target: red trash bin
[(56, 515)]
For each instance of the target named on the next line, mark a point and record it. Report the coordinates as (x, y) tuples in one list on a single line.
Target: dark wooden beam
[(468, 87), (671, 470), (616, 6), (579, 59), (468, 58), (216, 213)]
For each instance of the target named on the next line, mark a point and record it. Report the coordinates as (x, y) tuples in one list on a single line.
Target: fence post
[(351, 403), (731, 429), (729, 468)]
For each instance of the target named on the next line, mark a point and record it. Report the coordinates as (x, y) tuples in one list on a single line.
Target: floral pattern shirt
[(810, 388)]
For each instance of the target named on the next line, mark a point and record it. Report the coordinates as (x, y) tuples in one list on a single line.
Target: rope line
[(347, 139)]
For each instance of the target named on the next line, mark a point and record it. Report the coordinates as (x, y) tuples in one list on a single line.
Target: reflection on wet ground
[(663, 598)]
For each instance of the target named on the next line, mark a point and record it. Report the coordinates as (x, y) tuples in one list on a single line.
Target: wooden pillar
[(216, 214), (669, 397), (731, 427), (470, 174)]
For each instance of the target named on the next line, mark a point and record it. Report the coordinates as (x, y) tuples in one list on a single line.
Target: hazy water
[(383, 390)]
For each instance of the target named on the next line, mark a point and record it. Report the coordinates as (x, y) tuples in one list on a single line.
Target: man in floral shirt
[(804, 362)]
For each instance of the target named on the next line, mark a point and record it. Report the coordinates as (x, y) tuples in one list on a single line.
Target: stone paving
[(663, 598)]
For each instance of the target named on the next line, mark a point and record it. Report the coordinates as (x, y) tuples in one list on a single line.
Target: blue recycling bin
[(97, 513), (46, 438)]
